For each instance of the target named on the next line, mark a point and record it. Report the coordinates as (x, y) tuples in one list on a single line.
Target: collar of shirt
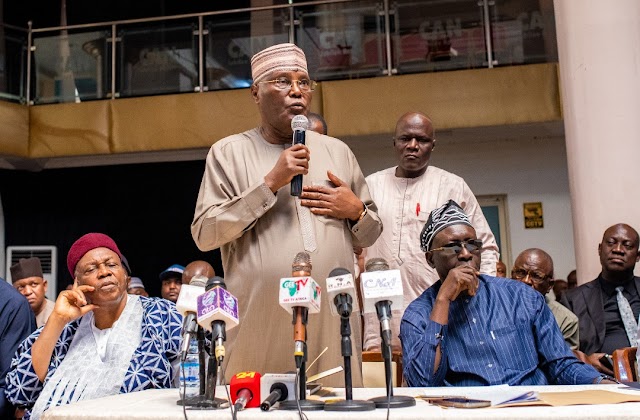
[(609, 289)]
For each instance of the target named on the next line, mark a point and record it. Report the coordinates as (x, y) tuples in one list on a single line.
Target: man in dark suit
[(600, 305), (16, 323)]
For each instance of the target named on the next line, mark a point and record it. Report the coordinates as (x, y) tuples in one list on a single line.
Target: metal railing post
[(29, 50), (387, 36), (113, 61), (487, 30), (200, 53)]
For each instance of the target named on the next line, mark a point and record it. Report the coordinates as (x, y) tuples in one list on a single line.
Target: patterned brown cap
[(280, 57)]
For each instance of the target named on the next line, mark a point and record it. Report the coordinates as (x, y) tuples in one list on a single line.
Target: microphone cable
[(297, 395), (184, 392), (226, 388)]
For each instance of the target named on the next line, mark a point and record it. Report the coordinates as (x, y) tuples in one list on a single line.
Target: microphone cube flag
[(188, 298), (341, 284), (217, 305), (300, 291), (379, 286), (288, 379), (249, 381)]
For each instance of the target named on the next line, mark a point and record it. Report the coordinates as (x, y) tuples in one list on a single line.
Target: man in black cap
[(470, 329), (27, 278)]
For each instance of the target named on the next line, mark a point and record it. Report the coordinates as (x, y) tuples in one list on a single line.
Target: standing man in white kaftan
[(405, 195), (245, 208)]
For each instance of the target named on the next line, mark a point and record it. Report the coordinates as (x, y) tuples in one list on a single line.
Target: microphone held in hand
[(299, 125)]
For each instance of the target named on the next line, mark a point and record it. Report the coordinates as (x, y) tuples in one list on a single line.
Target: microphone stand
[(390, 400), (300, 314), (206, 400), (349, 404), (202, 360)]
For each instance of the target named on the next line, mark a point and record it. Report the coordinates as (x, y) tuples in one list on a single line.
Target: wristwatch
[(363, 213)]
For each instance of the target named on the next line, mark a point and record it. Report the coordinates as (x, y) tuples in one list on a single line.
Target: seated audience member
[(534, 267), (572, 280), (501, 269), (171, 279), (136, 287), (471, 329), (560, 286), (197, 269), (317, 123), (608, 307), (99, 340), (27, 278), (17, 321)]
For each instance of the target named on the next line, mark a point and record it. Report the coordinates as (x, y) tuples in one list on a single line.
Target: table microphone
[(381, 289), (341, 292), (187, 305), (245, 390), (300, 295), (217, 312), (277, 387)]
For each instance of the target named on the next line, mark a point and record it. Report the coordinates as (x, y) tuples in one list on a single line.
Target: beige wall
[(468, 98)]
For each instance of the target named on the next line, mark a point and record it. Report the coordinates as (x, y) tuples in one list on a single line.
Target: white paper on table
[(497, 394)]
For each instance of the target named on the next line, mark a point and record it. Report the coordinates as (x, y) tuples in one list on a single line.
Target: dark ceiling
[(46, 13)]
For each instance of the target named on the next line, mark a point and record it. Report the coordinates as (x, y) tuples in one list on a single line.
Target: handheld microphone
[(187, 305), (245, 390), (341, 291), (299, 125), (381, 289), (277, 387), (299, 295), (217, 312)]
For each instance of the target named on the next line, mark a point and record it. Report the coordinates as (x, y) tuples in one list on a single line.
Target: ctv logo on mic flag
[(300, 291)]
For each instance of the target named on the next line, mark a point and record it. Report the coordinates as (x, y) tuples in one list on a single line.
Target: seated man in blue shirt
[(471, 329)]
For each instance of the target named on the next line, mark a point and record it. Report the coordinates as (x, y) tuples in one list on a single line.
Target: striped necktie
[(629, 321)]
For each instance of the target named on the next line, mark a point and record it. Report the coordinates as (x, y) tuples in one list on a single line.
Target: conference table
[(161, 404)]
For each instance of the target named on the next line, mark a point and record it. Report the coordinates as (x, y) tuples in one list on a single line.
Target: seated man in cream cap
[(27, 278), (99, 340), (136, 287), (245, 208)]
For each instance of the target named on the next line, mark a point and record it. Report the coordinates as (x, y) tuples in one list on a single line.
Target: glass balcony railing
[(212, 51)]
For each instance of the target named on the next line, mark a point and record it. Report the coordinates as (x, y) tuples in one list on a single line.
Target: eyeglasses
[(535, 276), (473, 245), (422, 140), (283, 83)]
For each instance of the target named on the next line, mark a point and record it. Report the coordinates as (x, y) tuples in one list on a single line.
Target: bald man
[(534, 267), (601, 303), (197, 268), (405, 195)]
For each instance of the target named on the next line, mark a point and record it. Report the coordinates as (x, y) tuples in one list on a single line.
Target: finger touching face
[(103, 269)]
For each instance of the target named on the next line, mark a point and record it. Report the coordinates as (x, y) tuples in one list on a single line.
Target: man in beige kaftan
[(245, 208)]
